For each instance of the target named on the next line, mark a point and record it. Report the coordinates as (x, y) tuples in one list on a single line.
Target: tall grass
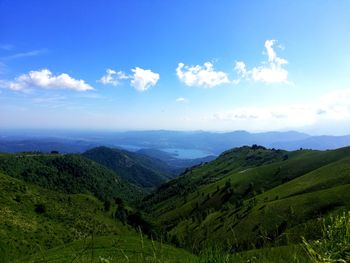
[(334, 246)]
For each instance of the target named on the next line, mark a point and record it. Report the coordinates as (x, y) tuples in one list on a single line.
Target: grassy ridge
[(253, 197)]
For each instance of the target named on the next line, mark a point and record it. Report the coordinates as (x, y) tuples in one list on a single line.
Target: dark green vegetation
[(136, 168), (251, 198), (251, 204), (69, 174), (56, 213)]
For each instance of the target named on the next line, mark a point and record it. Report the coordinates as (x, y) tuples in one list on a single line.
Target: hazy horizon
[(78, 131)]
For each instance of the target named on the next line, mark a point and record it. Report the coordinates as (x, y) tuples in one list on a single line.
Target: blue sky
[(180, 65)]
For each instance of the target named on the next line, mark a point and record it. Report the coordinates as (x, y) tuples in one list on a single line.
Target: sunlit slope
[(269, 197), (34, 219), (119, 248), (39, 224)]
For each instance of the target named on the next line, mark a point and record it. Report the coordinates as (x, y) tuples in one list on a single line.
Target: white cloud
[(331, 107), (113, 77), (201, 76), (140, 79), (143, 79), (182, 100), (46, 80), (271, 71)]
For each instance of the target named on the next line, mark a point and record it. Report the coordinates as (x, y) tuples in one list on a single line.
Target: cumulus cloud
[(46, 80), (113, 77), (333, 106), (140, 79), (270, 71), (182, 100), (201, 76), (143, 79)]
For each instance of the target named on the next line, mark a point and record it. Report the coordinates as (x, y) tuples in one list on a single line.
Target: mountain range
[(196, 144)]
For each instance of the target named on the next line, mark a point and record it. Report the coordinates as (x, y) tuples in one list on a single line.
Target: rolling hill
[(41, 225), (250, 203), (68, 174), (253, 197), (138, 169)]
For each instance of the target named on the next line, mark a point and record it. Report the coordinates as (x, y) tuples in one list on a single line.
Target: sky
[(176, 65)]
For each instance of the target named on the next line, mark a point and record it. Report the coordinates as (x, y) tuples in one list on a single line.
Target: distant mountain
[(201, 143), (211, 143), (177, 164), (139, 169), (45, 145), (315, 143)]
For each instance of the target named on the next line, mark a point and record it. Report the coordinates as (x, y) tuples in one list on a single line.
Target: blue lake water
[(187, 153)]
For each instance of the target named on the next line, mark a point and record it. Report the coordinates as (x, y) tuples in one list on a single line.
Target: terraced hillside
[(252, 197)]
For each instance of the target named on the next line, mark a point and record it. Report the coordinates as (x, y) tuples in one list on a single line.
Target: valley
[(249, 202)]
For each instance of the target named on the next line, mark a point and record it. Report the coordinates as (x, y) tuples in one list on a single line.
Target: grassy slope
[(26, 235), (297, 190), (69, 174), (122, 248), (136, 168)]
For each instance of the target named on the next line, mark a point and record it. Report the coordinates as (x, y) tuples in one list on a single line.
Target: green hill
[(69, 174), (251, 203), (136, 168), (41, 225), (252, 197)]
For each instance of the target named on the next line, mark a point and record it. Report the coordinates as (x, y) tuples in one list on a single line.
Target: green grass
[(66, 217), (334, 246), (249, 205), (290, 254), (120, 248), (246, 206), (65, 229)]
